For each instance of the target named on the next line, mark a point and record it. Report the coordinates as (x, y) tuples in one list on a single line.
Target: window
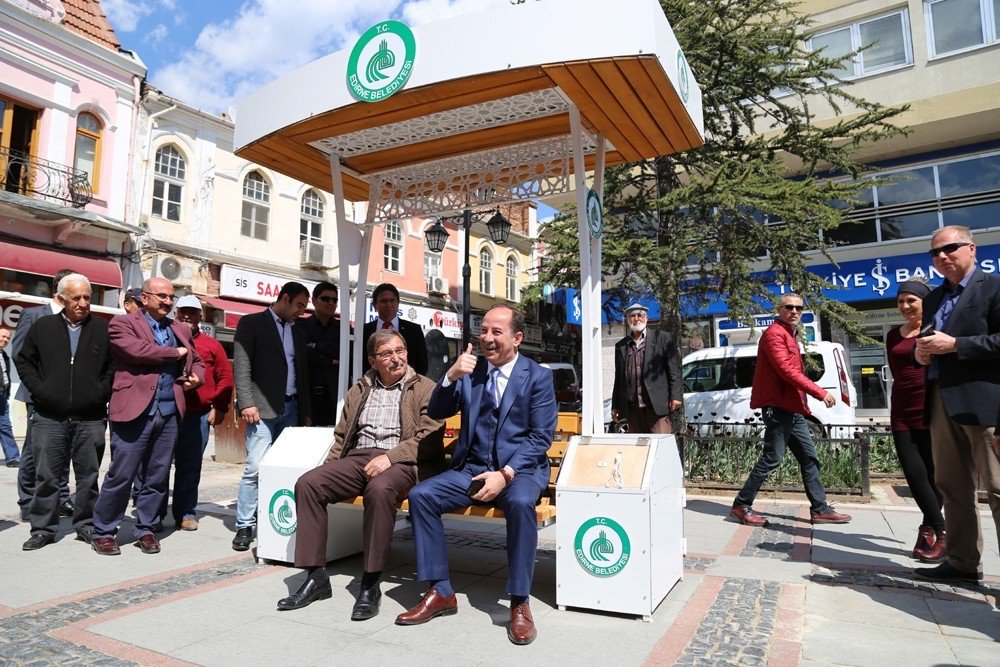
[(311, 218), (485, 271), (512, 293), (256, 206), (393, 247), (888, 36), (432, 265), (958, 25), (168, 183), (87, 157)]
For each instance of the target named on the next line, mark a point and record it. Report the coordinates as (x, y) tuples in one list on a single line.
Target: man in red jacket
[(779, 389)]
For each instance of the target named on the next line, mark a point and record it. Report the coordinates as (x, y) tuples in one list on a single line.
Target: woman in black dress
[(910, 431)]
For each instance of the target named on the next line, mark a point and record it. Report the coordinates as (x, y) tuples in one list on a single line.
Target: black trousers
[(26, 473), (55, 443), (324, 406), (914, 451)]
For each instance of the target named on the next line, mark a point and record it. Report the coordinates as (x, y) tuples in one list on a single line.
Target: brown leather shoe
[(937, 552), (189, 523), (925, 540), (106, 546), (148, 544), (747, 516), (831, 516), (433, 604), (521, 630)]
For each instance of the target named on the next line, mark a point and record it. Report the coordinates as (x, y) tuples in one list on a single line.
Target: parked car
[(567, 385), (718, 380)]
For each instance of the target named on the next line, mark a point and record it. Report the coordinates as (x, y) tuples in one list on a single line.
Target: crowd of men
[(159, 384)]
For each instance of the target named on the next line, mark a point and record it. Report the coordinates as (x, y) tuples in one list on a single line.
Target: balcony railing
[(33, 177)]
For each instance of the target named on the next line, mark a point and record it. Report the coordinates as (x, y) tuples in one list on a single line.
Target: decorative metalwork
[(527, 106), (33, 177), (478, 180)]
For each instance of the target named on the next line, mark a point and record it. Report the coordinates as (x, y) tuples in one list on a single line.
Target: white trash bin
[(620, 533)]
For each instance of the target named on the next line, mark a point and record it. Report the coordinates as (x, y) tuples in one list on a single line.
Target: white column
[(344, 260), (597, 348)]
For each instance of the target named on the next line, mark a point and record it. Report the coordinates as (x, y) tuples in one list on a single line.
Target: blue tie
[(492, 388)]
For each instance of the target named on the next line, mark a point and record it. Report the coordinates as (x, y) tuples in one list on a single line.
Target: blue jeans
[(259, 439), (10, 452), (785, 429), (187, 466)]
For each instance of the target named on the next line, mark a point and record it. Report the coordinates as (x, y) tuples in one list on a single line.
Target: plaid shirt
[(380, 424)]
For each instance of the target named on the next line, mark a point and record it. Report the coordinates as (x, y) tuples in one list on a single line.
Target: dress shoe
[(747, 516), (431, 605), (85, 534), (66, 509), (244, 536), (937, 552), (830, 516), (367, 604), (105, 546), (947, 573), (148, 544), (308, 592), (521, 630), (925, 540), (190, 523), (14, 463), (37, 541)]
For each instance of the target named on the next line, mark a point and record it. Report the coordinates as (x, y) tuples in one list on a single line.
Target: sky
[(212, 53)]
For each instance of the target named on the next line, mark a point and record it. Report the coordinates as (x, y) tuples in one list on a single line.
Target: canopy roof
[(484, 115)]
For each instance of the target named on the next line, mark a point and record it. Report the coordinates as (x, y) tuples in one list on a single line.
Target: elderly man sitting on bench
[(384, 443)]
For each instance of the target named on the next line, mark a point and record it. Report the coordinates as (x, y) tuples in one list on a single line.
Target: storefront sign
[(249, 285), (448, 322), (532, 334), (10, 312)]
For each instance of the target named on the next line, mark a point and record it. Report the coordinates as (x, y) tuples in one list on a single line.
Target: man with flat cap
[(647, 376)]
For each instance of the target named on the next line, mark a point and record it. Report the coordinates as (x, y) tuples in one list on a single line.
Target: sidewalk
[(782, 595)]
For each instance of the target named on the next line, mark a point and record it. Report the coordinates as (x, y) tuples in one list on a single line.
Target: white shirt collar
[(506, 369), (380, 323), (55, 306)]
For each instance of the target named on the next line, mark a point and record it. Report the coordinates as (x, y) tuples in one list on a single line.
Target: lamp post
[(437, 237)]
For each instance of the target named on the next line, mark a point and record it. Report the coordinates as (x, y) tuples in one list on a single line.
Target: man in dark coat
[(385, 298)]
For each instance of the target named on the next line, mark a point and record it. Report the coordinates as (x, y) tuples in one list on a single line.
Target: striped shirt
[(380, 424)]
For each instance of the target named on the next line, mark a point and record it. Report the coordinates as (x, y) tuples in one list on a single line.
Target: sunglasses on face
[(946, 249), (797, 309), (328, 299)]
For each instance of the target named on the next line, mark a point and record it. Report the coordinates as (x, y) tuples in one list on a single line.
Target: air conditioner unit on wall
[(180, 271), (437, 285), (317, 254)]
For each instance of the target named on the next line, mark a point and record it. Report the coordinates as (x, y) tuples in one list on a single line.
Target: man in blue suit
[(509, 418)]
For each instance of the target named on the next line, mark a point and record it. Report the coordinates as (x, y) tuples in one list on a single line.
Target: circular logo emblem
[(281, 512), (595, 214), (381, 61), (683, 77), (602, 547)]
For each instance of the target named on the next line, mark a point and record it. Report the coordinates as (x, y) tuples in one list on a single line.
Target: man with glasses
[(962, 355), (155, 363), (322, 334), (779, 389), (647, 376), (384, 443)]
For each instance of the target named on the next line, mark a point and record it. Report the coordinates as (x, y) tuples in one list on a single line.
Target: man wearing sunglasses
[(322, 334), (962, 355), (779, 389)]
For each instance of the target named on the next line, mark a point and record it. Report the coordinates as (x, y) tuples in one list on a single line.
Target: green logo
[(683, 77), (381, 61), (281, 512), (595, 214), (602, 547)]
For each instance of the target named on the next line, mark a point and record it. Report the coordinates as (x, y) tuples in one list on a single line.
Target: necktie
[(493, 388), (387, 325)]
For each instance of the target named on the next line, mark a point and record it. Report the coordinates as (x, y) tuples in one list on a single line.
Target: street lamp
[(437, 237)]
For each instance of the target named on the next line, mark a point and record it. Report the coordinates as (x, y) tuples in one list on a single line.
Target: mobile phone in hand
[(475, 487), (927, 331)]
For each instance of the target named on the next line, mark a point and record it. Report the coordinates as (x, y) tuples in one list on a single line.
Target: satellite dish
[(170, 268)]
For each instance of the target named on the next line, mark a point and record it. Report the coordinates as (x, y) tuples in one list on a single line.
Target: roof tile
[(87, 18)]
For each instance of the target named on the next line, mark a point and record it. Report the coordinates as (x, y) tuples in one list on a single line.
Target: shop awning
[(46, 262), (234, 310)]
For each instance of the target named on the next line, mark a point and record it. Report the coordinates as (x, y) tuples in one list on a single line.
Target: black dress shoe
[(37, 541), (85, 534), (244, 536), (66, 509), (308, 592), (947, 573), (367, 604)]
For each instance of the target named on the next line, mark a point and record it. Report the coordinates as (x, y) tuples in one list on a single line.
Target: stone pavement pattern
[(781, 595)]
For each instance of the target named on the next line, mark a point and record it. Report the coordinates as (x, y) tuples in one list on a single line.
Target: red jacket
[(778, 379), (217, 388)]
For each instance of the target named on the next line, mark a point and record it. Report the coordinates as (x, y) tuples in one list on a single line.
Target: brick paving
[(774, 540)]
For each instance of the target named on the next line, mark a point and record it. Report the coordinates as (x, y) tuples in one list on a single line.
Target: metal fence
[(34, 177)]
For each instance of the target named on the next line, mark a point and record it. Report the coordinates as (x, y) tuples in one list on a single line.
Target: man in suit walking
[(509, 418), (155, 363), (66, 364), (26, 474), (647, 376), (963, 391), (11, 456), (385, 298), (272, 390)]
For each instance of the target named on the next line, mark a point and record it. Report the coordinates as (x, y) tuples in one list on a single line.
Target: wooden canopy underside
[(629, 100)]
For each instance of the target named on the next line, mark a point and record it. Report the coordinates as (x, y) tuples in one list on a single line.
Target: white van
[(718, 380)]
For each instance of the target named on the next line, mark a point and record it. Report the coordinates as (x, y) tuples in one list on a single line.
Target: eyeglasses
[(797, 309), (389, 354), (946, 249), (161, 296), (327, 299)]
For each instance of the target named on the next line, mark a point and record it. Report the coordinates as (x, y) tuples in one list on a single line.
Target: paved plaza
[(786, 594)]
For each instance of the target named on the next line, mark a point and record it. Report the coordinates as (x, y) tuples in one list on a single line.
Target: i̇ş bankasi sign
[(381, 61)]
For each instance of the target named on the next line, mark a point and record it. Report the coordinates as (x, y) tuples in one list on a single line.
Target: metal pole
[(345, 281), (466, 286), (591, 317)]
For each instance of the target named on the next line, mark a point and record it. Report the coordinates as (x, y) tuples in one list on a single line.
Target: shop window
[(887, 38), (485, 272), (392, 253), (168, 183), (311, 218), (913, 185), (256, 206), (973, 217), (959, 25), (35, 285), (967, 176), (87, 157), (512, 292), (908, 226)]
